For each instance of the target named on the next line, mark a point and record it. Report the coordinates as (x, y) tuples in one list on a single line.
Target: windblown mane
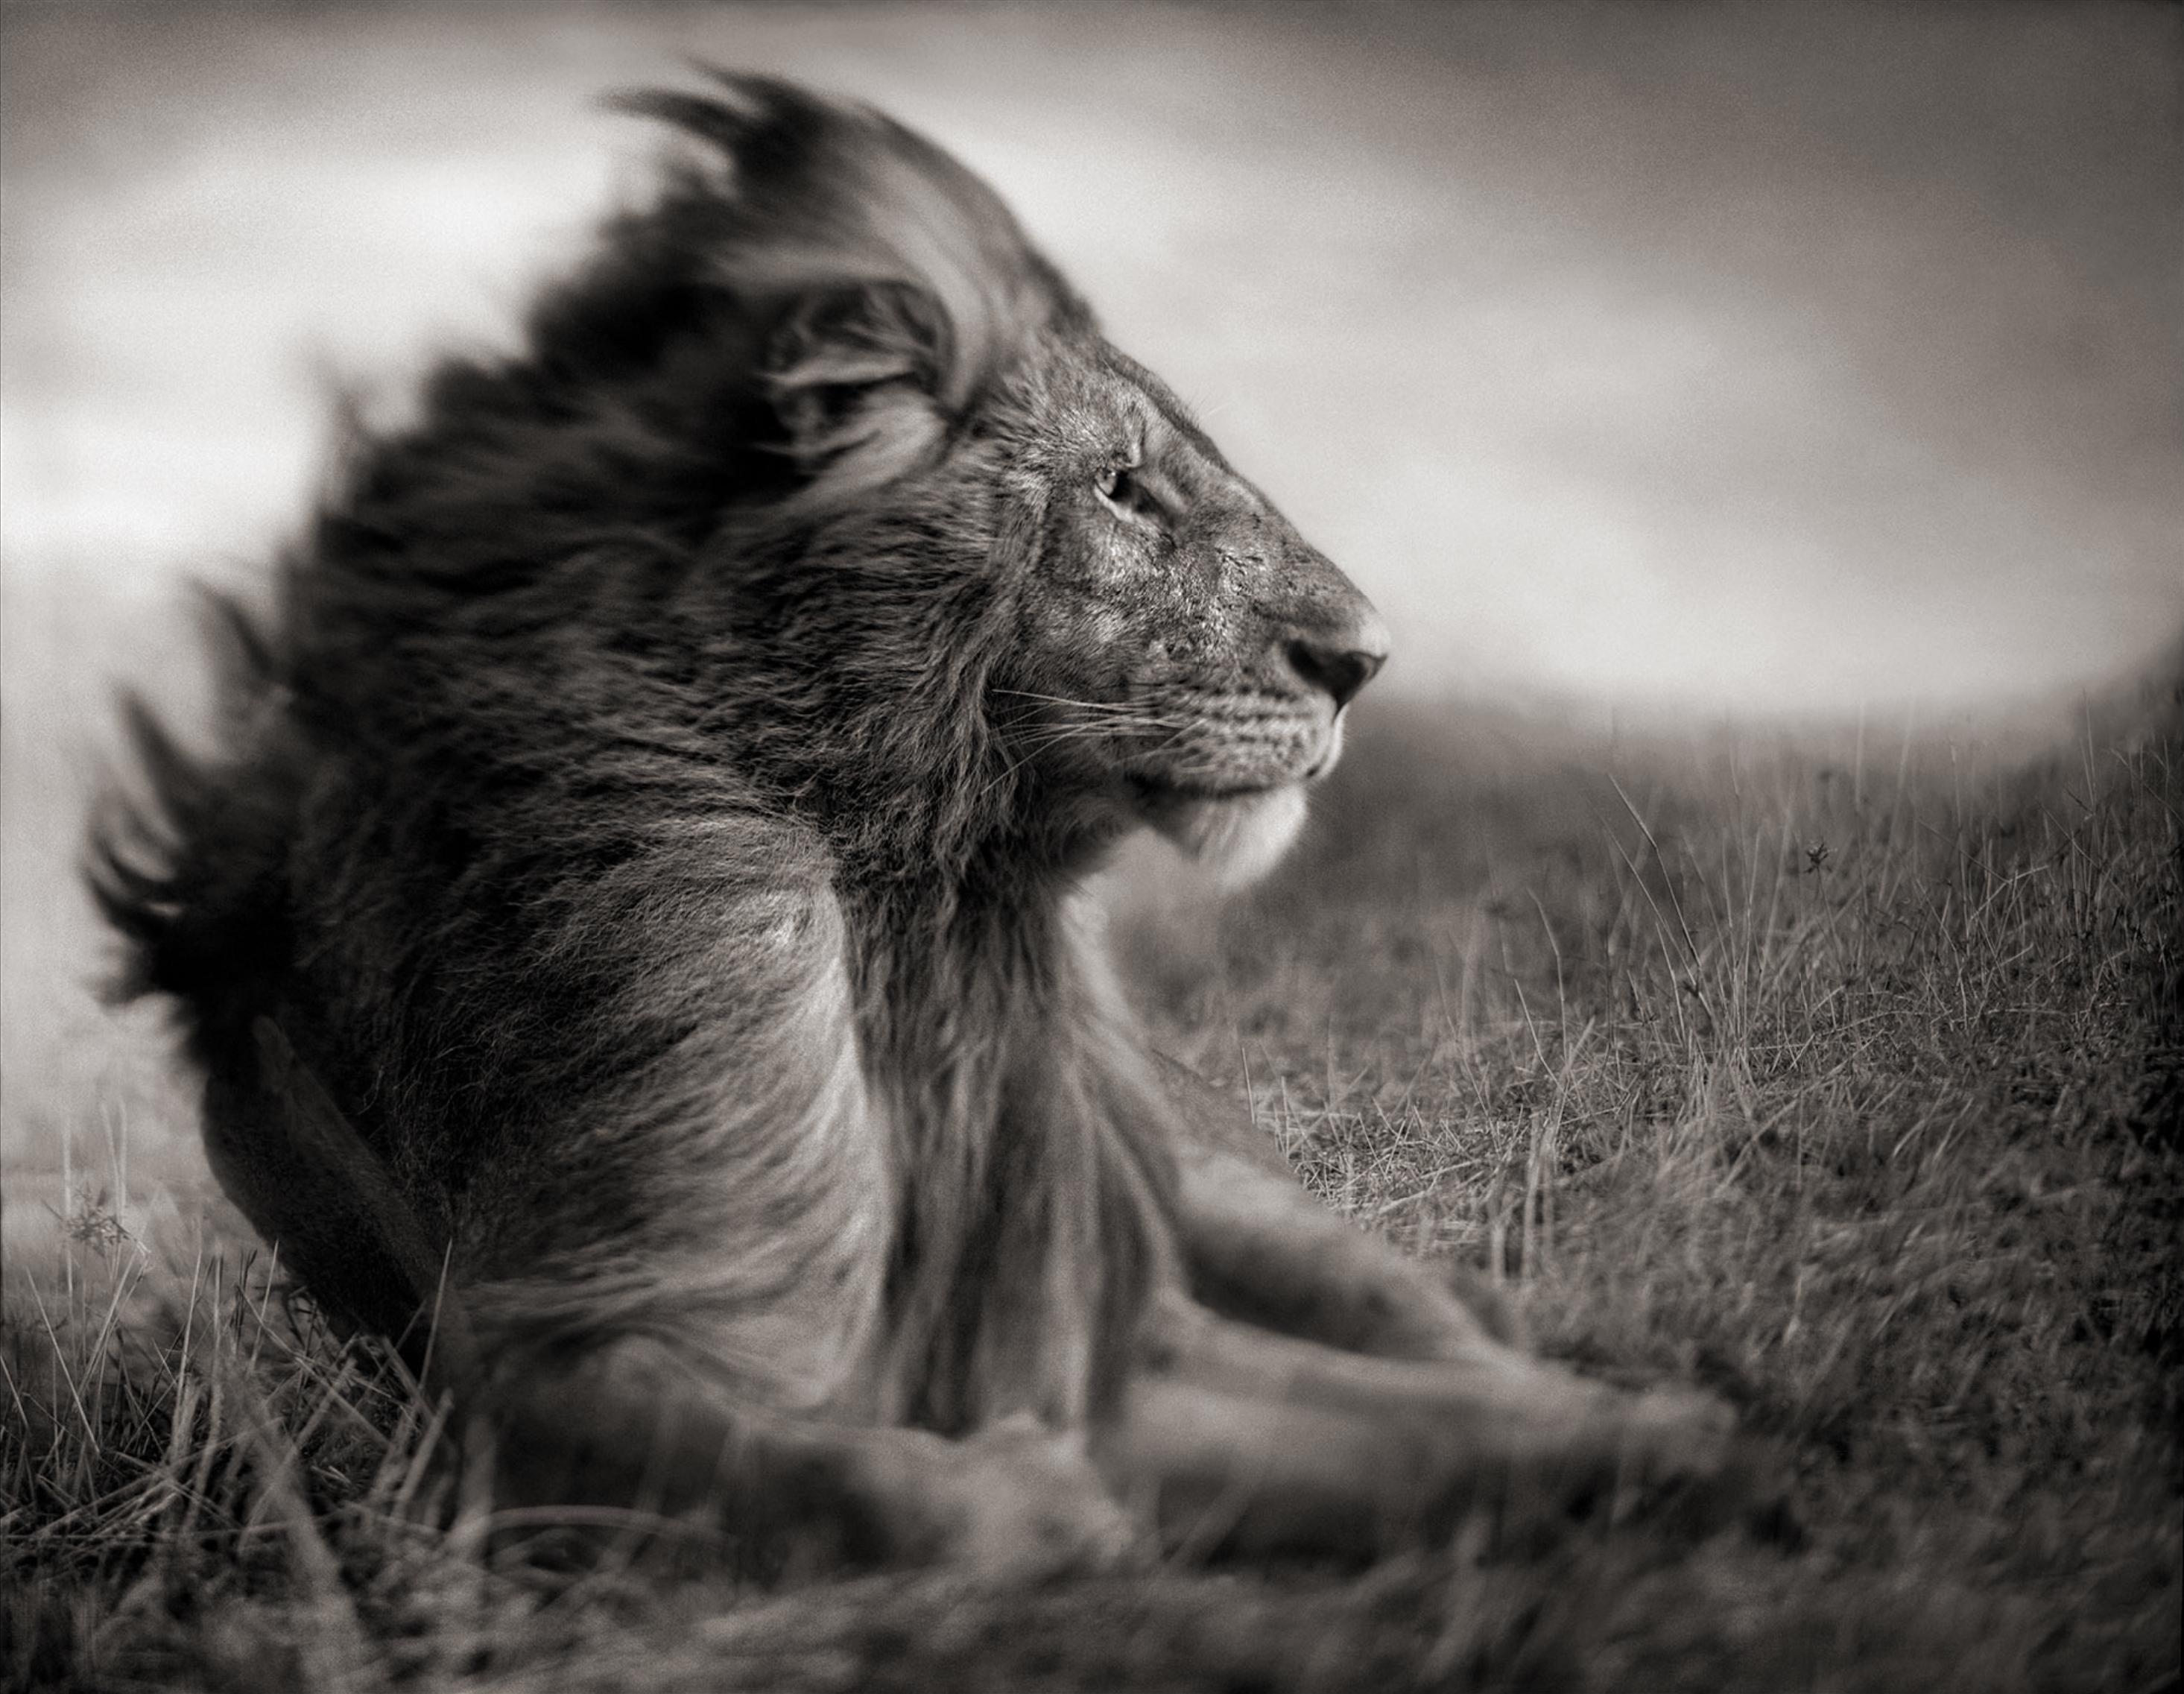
[(714, 553)]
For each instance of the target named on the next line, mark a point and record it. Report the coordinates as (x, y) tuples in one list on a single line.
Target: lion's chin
[(1237, 838)]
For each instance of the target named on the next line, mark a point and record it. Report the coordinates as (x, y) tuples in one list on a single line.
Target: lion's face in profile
[(1185, 654), (1143, 640)]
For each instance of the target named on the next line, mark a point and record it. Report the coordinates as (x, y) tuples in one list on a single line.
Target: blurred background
[(1749, 360), (1769, 358)]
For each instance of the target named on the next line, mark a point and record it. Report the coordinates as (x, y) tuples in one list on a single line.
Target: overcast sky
[(1783, 358)]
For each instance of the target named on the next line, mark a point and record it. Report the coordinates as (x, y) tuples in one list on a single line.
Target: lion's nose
[(1342, 663)]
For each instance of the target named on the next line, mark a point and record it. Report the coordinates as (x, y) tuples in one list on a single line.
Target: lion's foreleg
[(1259, 1442), (1260, 1250), (629, 1427)]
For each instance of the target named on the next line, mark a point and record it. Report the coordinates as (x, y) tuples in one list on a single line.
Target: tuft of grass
[(1844, 1075)]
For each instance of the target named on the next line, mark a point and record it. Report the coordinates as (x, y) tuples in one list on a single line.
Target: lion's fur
[(519, 795), (530, 813), (653, 809)]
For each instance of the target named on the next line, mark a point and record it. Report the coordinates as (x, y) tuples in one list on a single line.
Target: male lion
[(631, 929)]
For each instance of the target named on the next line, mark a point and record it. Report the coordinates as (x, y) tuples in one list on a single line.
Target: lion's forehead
[(1121, 403)]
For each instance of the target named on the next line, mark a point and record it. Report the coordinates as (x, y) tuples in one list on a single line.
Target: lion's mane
[(612, 769)]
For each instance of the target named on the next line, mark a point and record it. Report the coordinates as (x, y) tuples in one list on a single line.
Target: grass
[(1845, 1074)]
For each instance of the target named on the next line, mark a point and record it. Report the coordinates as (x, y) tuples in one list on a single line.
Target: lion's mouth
[(1152, 789), (1153, 792)]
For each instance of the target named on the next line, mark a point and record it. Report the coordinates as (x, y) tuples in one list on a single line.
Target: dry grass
[(1844, 1079)]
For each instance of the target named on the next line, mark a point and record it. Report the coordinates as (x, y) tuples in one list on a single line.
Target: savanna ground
[(1843, 1073)]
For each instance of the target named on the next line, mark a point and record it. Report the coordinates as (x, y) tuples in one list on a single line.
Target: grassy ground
[(1846, 1076)]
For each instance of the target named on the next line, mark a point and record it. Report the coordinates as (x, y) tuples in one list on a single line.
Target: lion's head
[(1189, 656), (946, 513)]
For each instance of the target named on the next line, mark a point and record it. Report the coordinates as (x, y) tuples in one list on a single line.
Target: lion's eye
[(1119, 488)]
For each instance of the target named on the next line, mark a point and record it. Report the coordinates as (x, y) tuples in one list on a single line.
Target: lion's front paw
[(1015, 1502), (1690, 1459), (1675, 1433), (1675, 1454), (1036, 1505), (1587, 1447)]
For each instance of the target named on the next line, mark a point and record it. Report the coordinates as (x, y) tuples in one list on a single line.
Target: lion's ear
[(889, 265), (849, 365)]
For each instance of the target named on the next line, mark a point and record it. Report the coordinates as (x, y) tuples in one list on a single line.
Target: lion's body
[(652, 820)]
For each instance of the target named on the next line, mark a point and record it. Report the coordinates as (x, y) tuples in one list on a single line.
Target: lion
[(634, 929)]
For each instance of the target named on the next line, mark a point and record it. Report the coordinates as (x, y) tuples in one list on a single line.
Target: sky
[(1763, 359)]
